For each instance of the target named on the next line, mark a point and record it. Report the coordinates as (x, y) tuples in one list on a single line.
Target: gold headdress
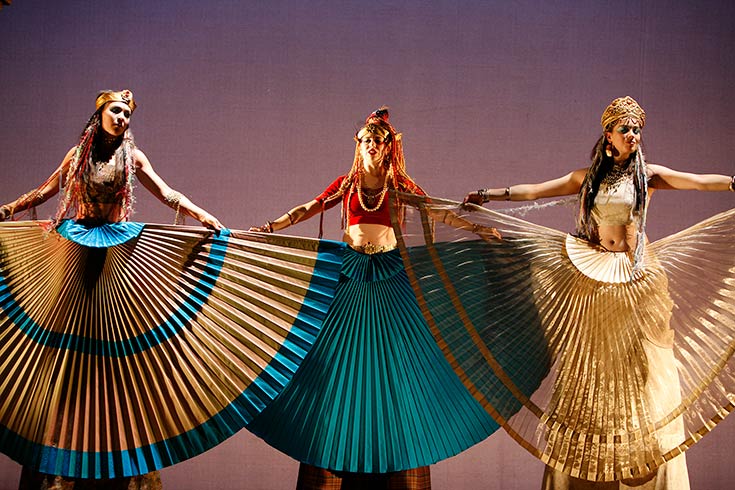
[(623, 107), (124, 96)]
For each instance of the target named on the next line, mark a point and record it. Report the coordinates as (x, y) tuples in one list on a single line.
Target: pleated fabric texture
[(116, 361), (640, 365), (375, 394)]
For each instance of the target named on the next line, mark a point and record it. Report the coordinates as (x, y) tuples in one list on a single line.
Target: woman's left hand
[(473, 198), (211, 222)]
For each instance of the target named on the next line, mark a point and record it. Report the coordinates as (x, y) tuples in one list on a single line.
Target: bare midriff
[(617, 238), (359, 235), (98, 212)]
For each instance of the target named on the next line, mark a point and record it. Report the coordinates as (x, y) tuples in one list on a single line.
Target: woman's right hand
[(487, 233), (266, 228)]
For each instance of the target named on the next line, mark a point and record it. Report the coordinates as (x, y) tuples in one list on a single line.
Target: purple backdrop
[(250, 107)]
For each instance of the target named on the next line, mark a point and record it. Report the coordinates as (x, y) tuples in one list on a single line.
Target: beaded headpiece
[(623, 107), (124, 96)]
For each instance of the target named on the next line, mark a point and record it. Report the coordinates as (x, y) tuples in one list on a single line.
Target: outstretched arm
[(661, 177), (155, 184), (39, 195), (562, 186), (291, 217), (450, 218)]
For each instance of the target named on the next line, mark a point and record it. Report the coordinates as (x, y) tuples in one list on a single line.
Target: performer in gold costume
[(628, 393)]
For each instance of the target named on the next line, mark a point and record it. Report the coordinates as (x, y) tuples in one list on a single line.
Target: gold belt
[(371, 249)]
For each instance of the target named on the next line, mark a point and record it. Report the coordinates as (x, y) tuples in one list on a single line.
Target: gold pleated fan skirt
[(635, 366)]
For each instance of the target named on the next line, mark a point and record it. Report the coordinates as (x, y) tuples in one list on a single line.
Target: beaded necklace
[(371, 197), (616, 175)]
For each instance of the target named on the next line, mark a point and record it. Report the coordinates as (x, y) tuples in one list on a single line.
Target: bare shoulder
[(577, 176), (654, 169), (141, 160), (67, 158), (70, 153)]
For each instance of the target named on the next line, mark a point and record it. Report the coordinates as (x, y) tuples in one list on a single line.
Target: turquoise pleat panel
[(102, 236), (117, 361), (484, 283), (375, 394)]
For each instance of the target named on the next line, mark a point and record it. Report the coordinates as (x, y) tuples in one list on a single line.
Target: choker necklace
[(616, 175), (110, 140)]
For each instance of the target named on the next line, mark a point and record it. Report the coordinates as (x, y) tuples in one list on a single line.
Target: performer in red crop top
[(375, 402), (378, 166), (626, 359)]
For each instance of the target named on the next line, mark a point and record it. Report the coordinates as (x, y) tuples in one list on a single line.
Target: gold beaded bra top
[(615, 199)]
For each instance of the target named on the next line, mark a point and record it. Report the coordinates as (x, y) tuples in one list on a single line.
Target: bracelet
[(267, 227), (732, 183), (290, 218), (31, 198), (485, 194), (173, 200)]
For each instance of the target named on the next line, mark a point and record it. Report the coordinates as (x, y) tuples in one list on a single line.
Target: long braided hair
[(77, 175), (394, 163), (602, 164)]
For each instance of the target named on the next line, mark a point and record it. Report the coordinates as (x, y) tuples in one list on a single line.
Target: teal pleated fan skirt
[(375, 394)]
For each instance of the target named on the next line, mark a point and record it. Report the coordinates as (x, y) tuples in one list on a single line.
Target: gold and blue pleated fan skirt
[(126, 348)]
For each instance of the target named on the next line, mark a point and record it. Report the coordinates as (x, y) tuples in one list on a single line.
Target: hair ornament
[(124, 96)]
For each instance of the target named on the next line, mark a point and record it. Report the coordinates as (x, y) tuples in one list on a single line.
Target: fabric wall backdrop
[(249, 107)]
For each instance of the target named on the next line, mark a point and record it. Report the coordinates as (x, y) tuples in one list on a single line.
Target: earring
[(608, 150)]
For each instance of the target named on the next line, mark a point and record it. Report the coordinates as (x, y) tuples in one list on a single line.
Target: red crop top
[(357, 215)]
